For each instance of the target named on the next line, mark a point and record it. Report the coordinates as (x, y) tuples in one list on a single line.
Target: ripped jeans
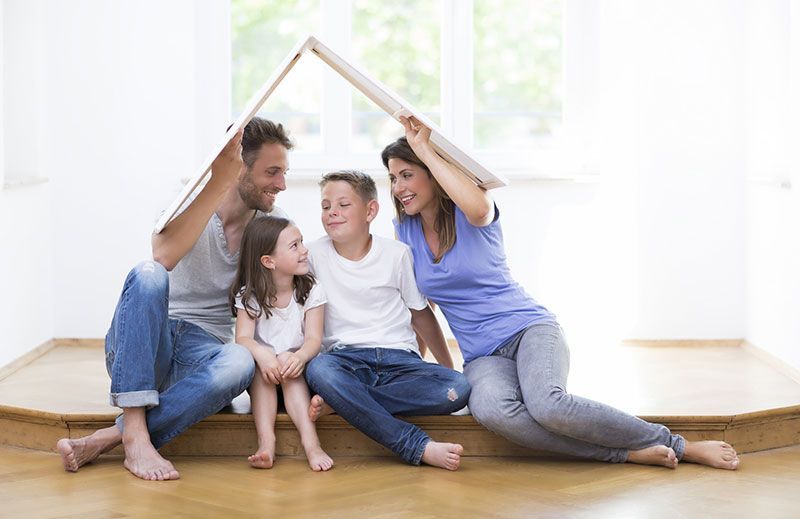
[(366, 386)]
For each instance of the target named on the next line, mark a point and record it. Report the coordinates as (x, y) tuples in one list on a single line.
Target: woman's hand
[(418, 136)]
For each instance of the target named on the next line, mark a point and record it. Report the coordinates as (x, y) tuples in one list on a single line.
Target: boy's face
[(345, 215)]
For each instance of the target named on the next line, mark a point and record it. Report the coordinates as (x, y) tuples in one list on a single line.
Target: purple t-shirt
[(473, 286)]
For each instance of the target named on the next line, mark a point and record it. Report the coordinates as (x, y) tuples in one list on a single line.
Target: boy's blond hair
[(361, 183)]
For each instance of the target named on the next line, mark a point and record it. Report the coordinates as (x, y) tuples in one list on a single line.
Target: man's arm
[(426, 326), (180, 235)]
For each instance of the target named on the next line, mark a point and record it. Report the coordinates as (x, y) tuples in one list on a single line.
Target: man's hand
[(229, 164)]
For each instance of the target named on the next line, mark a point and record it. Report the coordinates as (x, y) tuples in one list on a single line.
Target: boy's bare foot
[(79, 452), (318, 459), (717, 454), (264, 457), (318, 408), (443, 455), (655, 455), (143, 461)]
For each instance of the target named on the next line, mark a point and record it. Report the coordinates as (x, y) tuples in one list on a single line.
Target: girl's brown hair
[(254, 283), (445, 223)]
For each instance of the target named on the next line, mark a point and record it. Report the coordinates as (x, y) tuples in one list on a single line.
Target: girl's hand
[(292, 364), (268, 366), (418, 136)]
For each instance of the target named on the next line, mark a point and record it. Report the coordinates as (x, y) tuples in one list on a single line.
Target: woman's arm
[(425, 324), (473, 200)]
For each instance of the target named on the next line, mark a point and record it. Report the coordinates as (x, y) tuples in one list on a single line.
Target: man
[(169, 350)]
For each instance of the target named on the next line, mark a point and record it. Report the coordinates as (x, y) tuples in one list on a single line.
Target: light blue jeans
[(174, 368), (520, 393), (367, 386)]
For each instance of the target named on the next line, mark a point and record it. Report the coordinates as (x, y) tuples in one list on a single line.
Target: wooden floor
[(33, 484)]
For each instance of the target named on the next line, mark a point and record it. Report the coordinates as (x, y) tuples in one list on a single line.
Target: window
[(488, 72)]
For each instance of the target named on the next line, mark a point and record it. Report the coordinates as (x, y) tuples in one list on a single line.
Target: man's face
[(260, 185)]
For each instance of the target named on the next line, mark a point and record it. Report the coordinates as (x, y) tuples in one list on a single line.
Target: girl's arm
[(295, 362), (473, 200), (425, 324), (266, 361)]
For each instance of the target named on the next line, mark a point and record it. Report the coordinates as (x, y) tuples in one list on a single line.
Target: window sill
[(16, 183)]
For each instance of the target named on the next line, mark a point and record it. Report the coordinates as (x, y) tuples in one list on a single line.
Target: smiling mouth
[(405, 200)]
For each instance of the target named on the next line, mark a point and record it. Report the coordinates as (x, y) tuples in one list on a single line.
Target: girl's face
[(411, 185), (290, 256)]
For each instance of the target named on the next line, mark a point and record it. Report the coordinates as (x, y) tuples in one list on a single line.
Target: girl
[(516, 359), (279, 316)]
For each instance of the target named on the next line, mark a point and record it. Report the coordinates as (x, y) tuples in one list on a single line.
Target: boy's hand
[(292, 364), (268, 366)]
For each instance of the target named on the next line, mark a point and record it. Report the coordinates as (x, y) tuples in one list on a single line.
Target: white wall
[(26, 262), (773, 61), (136, 92)]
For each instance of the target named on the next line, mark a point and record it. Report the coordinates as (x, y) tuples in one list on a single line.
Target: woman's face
[(411, 185)]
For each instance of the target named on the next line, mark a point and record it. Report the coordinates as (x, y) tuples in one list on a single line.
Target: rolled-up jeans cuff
[(417, 459), (147, 398)]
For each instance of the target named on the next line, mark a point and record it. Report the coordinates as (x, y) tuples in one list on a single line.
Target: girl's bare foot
[(443, 455), (717, 454), (318, 459), (318, 408), (143, 461), (655, 455), (77, 453), (264, 457)]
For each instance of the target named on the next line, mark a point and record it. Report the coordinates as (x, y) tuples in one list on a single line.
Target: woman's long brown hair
[(254, 281), (445, 223)]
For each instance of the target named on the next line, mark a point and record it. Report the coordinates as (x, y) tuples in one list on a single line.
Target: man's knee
[(235, 367), (150, 277)]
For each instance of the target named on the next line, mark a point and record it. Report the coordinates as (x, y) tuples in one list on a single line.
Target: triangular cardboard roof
[(391, 103)]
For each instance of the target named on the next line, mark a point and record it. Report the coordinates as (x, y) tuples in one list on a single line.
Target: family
[(337, 324)]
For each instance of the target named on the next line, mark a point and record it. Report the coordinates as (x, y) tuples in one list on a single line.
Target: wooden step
[(61, 393)]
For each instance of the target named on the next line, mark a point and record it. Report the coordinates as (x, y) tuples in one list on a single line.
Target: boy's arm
[(295, 363), (425, 324), (266, 361), (180, 235)]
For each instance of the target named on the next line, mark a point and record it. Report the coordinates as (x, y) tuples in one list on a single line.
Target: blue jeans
[(520, 392), (174, 368), (366, 386)]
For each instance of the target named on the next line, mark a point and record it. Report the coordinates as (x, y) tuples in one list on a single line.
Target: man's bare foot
[(443, 455), (318, 408), (318, 459), (655, 455), (264, 457), (715, 454), (143, 461), (79, 452)]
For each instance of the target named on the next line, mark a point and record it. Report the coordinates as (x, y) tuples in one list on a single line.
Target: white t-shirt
[(368, 300), (284, 330)]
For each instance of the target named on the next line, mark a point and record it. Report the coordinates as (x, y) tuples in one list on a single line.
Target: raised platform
[(703, 390)]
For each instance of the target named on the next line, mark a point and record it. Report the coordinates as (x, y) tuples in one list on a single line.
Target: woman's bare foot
[(318, 459), (717, 454), (318, 408), (443, 455), (655, 455), (79, 452), (143, 461), (264, 457)]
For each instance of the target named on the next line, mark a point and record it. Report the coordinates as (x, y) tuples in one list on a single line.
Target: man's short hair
[(260, 131), (358, 180)]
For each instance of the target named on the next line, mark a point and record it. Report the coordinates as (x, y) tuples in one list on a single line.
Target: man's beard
[(251, 197)]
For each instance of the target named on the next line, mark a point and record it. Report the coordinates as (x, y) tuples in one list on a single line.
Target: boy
[(371, 368)]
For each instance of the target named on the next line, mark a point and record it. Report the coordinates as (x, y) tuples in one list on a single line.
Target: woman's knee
[(551, 411), (494, 407)]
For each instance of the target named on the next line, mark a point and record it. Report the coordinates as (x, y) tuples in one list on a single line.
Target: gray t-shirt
[(199, 283)]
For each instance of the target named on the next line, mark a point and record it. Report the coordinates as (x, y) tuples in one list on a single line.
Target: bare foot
[(318, 459), (79, 452), (655, 455), (264, 457), (717, 454), (443, 455), (318, 408), (144, 461)]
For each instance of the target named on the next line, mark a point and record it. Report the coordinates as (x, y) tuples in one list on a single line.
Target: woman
[(515, 355)]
